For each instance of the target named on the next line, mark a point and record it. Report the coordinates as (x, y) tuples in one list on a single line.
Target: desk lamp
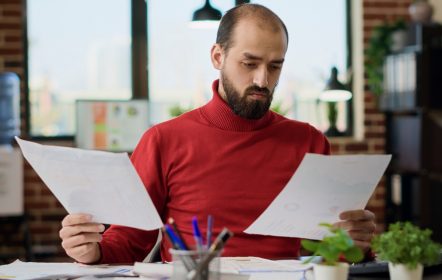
[(334, 92)]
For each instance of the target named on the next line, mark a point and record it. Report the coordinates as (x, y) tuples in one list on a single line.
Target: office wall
[(46, 213)]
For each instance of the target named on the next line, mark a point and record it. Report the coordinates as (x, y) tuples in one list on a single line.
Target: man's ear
[(217, 56)]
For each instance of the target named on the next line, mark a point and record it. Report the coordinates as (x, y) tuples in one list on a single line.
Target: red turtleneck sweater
[(211, 161)]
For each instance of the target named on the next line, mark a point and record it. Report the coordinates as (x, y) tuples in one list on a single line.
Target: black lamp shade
[(207, 12), (334, 90), (333, 83)]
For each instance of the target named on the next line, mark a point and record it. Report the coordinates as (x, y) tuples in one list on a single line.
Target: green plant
[(378, 47), (333, 246), (406, 244), (177, 110)]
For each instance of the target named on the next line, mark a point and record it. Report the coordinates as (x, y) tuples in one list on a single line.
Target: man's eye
[(249, 65), (275, 66)]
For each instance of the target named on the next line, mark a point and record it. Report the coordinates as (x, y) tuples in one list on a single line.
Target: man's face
[(251, 67)]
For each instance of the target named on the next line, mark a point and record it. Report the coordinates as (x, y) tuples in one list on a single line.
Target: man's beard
[(249, 109)]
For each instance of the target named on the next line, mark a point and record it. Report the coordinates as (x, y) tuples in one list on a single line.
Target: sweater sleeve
[(126, 245), (319, 143)]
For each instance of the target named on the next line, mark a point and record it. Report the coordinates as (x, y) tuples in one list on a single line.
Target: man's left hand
[(360, 225)]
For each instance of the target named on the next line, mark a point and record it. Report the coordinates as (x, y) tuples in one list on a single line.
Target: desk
[(430, 273), (34, 270), (426, 277)]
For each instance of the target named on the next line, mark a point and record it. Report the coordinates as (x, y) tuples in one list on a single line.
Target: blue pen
[(178, 244), (197, 234), (209, 230), (176, 241)]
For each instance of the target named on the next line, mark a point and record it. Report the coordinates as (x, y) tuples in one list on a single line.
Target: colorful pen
[(176, 241), (214, 250), (197, 234), (172, 223), (189, 263)]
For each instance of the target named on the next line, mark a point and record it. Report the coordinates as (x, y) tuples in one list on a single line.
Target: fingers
[(360, 225), (68, 231), (360, 236), (357, 215), (74, 219), (364, 226), (364, 245), (86, 253), (80, 239)]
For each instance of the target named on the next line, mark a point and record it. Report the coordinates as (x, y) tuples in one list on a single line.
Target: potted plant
[(335, 246), (406, 247), (379, 46)]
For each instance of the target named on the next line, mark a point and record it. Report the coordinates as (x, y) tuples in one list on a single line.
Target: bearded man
[(229, 158)]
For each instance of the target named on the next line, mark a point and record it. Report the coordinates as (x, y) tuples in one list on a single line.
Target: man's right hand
[(80, 238)]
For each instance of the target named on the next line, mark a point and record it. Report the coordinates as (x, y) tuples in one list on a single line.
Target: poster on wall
[(110, 125), (11, 182)]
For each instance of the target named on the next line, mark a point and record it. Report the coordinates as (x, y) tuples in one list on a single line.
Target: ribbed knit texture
[(219, 114)]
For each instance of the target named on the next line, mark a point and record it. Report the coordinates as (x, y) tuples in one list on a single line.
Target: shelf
[(412, 107)]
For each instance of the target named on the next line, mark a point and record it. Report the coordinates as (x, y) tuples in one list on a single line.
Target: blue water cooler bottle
[(9, 107)]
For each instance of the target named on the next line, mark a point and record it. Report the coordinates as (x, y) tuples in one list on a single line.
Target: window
[(180, 69), (181, 72), (77, 49)]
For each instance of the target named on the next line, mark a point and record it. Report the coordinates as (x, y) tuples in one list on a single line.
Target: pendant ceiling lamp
[(206, 16)]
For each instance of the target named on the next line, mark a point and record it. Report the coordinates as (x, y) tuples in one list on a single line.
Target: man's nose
[(261, 77)]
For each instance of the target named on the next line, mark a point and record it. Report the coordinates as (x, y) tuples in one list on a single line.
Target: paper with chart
[(321, 188), (103, 184)]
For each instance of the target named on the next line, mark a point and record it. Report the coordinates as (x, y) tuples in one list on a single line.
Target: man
[(229, 158)]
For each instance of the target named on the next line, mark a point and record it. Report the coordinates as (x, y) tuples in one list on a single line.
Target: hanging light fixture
[(206, 17)]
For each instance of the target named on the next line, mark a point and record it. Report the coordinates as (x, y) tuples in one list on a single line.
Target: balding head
[(263, 17)]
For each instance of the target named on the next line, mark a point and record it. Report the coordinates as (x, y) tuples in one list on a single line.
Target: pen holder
[(195, 265)]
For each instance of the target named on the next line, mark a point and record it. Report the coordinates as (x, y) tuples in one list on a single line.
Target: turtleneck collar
[(218, 113)]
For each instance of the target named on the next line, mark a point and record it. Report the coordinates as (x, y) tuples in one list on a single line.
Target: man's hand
[(360, 225), (80, 238)]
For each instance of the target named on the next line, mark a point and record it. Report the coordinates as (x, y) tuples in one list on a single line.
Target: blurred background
[(96, 74)]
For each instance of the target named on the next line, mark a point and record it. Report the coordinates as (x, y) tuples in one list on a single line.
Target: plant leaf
[(309, 245), (354, 254)]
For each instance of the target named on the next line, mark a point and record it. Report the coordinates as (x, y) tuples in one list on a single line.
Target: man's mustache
[(256, 89)]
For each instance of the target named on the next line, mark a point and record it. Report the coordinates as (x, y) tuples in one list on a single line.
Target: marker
[(220, 240), (209, 230)]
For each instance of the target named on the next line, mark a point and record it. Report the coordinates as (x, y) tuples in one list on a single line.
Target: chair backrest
[(155, 254)]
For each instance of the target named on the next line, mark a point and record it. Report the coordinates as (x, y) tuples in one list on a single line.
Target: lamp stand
[(332, 115)]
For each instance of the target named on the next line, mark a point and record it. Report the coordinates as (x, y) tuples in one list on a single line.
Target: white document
[(321, 188), (102, 184), (251, 265), (235, 268), (153, 270), (31, 270)]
